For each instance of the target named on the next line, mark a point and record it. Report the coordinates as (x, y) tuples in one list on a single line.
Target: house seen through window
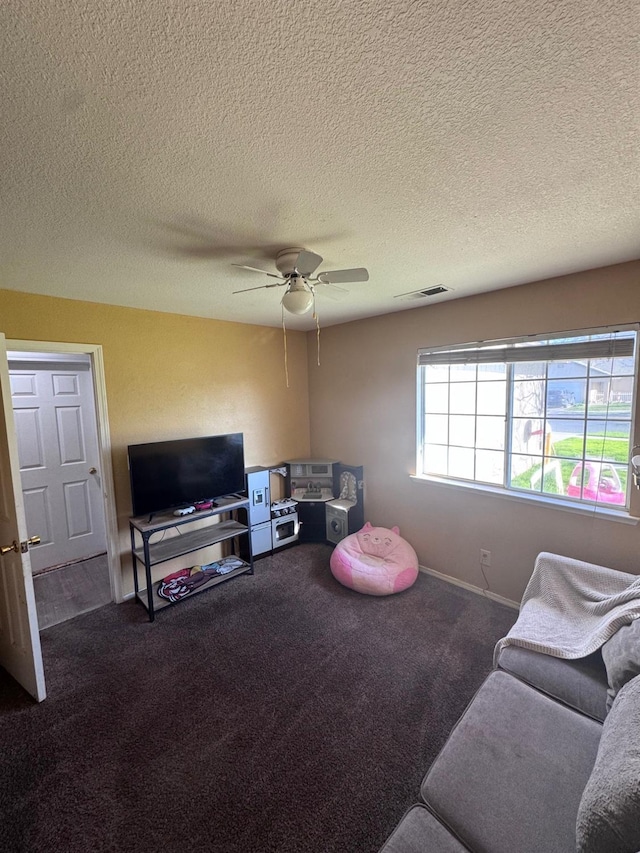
[(547, 415)]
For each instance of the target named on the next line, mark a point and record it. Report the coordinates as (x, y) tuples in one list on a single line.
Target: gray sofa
[(537, 763)]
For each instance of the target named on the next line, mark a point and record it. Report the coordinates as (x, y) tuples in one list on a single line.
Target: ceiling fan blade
[(333, 276), (255, 269), (259, 287), (330, 290), (307, 262)]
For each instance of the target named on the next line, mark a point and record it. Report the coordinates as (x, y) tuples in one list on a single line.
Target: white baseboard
[(477, 589)]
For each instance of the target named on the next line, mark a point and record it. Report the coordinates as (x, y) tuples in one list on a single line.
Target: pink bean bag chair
[(375, 561)]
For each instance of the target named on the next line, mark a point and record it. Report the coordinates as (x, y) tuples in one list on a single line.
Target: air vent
[(420, 294), (434, 291)]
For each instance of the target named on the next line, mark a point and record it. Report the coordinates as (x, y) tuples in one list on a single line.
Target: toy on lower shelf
[(179, 584)]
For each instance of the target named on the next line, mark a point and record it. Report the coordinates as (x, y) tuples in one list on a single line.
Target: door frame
[(94, 351)]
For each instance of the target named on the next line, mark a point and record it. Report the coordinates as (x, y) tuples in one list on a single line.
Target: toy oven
[(284, 529)]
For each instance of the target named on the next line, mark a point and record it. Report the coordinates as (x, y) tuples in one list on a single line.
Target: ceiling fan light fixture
[(298, 299)]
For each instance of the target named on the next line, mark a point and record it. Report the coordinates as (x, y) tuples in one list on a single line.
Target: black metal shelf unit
[(147, 554)]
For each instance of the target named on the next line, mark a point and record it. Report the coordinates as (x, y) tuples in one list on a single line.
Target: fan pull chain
[(284, 333), (316, 318)]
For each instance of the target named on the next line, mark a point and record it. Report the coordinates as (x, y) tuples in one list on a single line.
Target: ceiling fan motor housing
[(286, 260)]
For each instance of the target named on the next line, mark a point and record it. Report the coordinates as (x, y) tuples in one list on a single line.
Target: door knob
[(93, 470), (20, 546)]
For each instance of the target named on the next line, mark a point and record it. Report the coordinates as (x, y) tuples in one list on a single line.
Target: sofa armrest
[(580, 684), (420, 832)]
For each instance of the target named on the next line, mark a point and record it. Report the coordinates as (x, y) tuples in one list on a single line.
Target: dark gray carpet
[(279, 712)]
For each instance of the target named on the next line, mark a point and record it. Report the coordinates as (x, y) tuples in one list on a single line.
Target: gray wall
[(362, 411)]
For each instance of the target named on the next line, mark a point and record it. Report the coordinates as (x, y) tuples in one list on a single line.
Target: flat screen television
[(169, 474)]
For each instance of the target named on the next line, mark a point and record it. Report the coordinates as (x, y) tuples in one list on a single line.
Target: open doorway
[(66, 478)]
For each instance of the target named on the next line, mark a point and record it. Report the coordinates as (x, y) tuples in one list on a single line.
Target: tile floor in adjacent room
[(70, 590)]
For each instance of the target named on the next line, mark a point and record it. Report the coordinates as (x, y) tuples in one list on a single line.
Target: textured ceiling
[(146, 145)]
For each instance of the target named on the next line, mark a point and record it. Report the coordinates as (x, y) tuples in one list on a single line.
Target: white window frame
[(509, 351)]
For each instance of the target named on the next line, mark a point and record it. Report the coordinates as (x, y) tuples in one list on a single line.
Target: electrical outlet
[(485, 557)]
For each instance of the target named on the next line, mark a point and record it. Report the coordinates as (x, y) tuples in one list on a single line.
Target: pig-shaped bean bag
[(375, 560)]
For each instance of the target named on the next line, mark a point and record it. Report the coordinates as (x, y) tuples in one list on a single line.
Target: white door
[(20, 652), (58, 454)]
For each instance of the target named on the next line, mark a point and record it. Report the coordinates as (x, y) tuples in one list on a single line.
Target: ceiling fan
[(296, 267)]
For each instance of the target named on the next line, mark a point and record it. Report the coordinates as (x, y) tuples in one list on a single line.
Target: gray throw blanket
[(570, 608)]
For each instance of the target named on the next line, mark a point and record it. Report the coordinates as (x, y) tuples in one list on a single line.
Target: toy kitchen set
[(323, 502), (329, 496)]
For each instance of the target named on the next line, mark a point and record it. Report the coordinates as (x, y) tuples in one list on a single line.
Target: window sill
[(599, 512)]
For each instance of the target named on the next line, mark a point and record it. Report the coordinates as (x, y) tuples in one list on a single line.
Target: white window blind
[(619, 345)]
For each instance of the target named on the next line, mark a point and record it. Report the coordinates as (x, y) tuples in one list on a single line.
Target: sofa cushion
[(621, 656), (609, 811), (512, 772), (420, 832), (581, 683)]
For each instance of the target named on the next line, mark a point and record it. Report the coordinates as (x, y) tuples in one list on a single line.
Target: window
[(547, 415)]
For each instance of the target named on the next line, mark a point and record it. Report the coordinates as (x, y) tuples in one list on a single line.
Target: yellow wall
[(363, 411), (172, 376)]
